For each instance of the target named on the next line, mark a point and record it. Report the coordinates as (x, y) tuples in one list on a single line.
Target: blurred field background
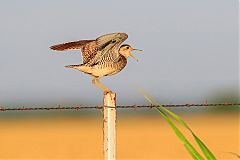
[(191, 54), (141, 134)]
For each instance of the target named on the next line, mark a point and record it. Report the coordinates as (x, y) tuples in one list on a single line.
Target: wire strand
[(78, 107)]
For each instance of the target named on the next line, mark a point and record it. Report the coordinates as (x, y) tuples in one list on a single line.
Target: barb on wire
[(23, 108)]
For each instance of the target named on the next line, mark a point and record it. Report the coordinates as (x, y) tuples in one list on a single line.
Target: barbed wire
[(78, 107)]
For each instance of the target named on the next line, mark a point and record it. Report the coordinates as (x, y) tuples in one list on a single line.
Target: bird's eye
[(113, 41), (127, 47)]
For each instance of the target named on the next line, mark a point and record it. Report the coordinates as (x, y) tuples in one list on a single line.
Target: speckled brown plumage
[(88, 48), (101, 57)]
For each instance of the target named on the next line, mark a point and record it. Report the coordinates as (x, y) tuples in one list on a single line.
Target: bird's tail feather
[(73, 66)]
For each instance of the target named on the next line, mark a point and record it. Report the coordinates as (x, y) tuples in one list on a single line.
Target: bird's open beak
[(133, 57), (138, 50)]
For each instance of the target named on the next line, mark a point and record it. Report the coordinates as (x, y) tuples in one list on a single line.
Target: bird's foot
[(106, 91)]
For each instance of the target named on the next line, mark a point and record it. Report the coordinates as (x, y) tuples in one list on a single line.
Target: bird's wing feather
[(94, 51), (76, 45), (107, 46), (88, 48)]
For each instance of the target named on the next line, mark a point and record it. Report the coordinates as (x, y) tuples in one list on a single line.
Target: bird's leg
[(104, 88), (97, 83)]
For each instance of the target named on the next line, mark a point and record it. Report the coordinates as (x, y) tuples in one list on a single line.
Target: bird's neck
[(124, 54), (122, 57)]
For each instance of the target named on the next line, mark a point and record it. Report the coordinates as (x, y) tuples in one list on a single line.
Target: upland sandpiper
[(101, 57)]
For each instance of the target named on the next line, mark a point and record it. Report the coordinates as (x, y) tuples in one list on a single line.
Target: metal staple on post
[(109, 126)]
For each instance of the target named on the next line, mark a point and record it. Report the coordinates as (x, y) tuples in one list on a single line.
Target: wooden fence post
[(109, 126)]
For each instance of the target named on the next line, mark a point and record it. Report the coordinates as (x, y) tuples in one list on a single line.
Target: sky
[(190, 50)]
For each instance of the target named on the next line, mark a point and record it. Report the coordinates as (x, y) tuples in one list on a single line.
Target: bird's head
[(126, 49)]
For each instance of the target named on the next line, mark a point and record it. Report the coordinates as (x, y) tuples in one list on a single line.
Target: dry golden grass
[(138, 137)]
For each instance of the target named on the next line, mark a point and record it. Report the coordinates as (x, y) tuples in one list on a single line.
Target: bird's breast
[(109, 68), (104, 68)]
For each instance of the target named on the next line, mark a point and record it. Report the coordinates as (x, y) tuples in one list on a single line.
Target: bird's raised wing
[(108, 47), (76, 45), (94, 50), (88, 48)]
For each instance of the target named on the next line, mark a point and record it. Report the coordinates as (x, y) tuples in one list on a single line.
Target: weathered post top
[(109, 126)]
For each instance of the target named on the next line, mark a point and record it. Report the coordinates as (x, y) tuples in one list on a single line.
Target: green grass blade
[(207, 153), (192, 151)]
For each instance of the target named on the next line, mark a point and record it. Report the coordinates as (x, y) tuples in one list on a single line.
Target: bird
[(104, 56)]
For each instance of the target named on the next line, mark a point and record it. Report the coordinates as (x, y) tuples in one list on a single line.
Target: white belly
[(97, 72)]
